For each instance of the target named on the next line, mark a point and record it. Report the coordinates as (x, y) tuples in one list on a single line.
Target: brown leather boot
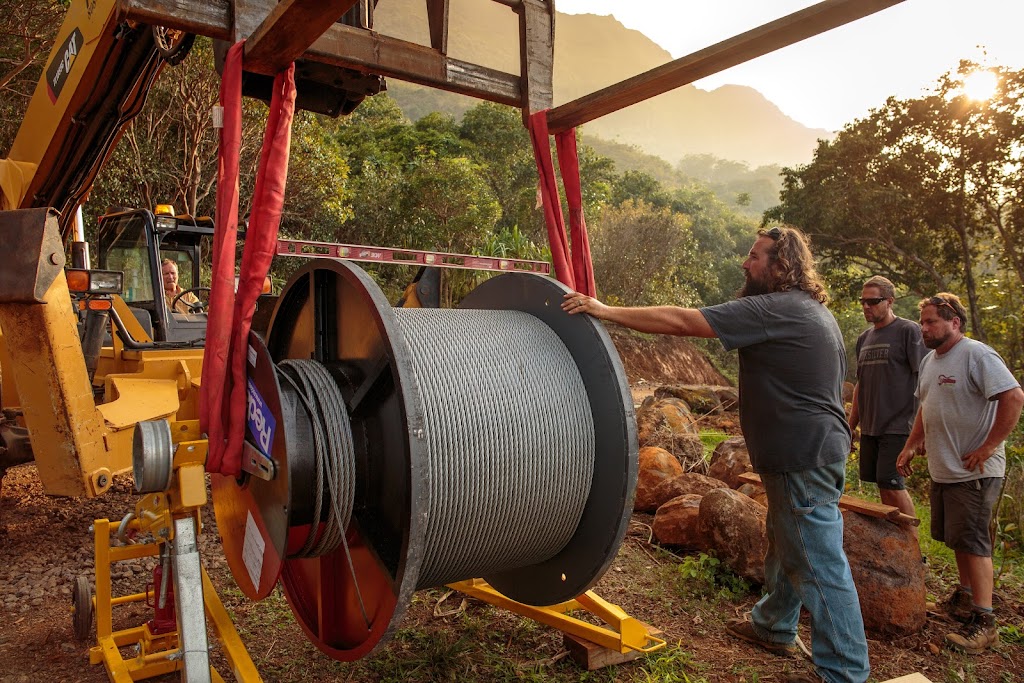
[(958, 605), (744, 630), (977, 635)]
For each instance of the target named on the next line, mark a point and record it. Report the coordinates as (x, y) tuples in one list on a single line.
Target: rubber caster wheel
[(82, 608)]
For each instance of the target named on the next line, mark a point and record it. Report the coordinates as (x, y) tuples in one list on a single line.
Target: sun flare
[(980, 85)]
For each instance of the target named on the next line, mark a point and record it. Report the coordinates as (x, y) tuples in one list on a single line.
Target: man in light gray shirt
[(969, 404)]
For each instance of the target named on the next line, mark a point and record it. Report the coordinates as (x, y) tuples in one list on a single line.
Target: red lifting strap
[(581, 276), (222, 397)]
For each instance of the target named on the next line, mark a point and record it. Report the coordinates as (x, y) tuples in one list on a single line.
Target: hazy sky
[(828, 80)]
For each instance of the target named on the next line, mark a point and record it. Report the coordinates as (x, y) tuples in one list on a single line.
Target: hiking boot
[(958, 605), (978, 634), (744, 630)]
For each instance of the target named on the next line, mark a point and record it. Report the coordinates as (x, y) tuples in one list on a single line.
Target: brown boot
[(977, 635), (958, 605), (744, 630)]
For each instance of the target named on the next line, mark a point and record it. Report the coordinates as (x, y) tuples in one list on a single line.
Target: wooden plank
[(909, 678), (759, 41), (344, 46), (371, 52), (203, 17), (289, 29), (437, 17), (864, 507), (591, 656), (536, 54)]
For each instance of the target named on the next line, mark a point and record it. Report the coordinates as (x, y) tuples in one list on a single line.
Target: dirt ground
[(45, 543)]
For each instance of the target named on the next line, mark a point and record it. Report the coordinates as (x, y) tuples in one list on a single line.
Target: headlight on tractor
[(95, 281)]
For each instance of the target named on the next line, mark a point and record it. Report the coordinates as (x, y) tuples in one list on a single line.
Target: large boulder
[(734, 527), (689, 450), (668, 423), (730, 460), (701, 399), (886, 562), (665, 416), (729, 397), (755, 493), (687, 482), (655, 466), (675, 522)]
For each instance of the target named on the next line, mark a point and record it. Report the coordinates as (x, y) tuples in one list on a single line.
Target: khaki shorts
[(962, 512)]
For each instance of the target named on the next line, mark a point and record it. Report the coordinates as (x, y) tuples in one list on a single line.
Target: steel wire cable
[(510, 440), (333, 453)]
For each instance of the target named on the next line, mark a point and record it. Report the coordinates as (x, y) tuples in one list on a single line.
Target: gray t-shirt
[(792, 364), (887, 362), (955, 390)]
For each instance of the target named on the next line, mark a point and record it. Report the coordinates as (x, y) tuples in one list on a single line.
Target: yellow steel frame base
[(623, 633), (155, 654)]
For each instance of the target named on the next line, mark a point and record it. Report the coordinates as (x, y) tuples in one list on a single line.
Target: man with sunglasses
[(888, 355), (792, 365), (969, 404)]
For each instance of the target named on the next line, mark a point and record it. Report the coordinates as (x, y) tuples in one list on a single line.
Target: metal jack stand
[(180, 642), (592, 646)]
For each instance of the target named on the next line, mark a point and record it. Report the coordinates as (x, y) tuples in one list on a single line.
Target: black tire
[(82, 608), (172, 44)]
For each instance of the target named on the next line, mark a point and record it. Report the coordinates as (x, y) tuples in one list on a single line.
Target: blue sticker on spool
[(260, 420)]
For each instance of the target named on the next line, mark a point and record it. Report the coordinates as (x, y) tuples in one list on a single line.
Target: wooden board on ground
[(909, 678), (592, 656), (864, 507)]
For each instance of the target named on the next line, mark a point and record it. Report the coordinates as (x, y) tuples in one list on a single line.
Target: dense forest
[(926, 191)]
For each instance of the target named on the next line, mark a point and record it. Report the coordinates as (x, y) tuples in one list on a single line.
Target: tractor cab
[(144, 245)]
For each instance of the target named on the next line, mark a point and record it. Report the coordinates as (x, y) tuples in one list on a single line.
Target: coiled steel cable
[(333, 449), (510, 440)]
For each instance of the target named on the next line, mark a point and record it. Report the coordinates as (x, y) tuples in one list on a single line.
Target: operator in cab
[(185, 304)]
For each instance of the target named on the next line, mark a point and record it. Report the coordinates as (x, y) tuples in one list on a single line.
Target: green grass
[(711, 439), (672, 664)]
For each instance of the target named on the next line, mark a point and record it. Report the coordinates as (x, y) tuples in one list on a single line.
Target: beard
[(935, 342), (753, 286)]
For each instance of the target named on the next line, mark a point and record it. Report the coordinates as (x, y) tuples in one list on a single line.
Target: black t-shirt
[(887, 362), (792, 365)]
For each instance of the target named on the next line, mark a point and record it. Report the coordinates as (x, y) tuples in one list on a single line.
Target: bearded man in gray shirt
[(792, 365), (969, 404)]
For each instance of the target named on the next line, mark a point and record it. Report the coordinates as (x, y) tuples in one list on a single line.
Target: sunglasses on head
[(774, 234), (872, 300), (939, 301)]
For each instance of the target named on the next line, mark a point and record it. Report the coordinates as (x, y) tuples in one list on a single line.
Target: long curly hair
[(792, 264)]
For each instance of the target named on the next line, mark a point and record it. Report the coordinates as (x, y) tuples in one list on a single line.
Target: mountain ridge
[(591, 52)]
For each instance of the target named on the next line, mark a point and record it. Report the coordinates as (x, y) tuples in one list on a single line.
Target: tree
[(27, 30), (497, 140), (921, 189), (644, 256)]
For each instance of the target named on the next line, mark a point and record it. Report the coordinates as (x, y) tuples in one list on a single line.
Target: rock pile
[(710, 509)]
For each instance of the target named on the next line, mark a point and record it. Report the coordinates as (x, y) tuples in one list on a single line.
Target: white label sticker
[(252, 356), (252, 550)]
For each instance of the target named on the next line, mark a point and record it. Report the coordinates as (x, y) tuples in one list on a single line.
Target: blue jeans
[(806, 565)]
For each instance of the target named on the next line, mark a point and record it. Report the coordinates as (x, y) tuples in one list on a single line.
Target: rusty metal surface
[(33, 255)]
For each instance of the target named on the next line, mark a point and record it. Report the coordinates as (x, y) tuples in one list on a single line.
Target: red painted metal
[(412, 257)]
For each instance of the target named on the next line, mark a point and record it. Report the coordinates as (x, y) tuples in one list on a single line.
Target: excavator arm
[(95, 81)]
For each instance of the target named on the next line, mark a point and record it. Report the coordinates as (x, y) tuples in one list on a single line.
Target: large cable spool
[(494, 440)]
